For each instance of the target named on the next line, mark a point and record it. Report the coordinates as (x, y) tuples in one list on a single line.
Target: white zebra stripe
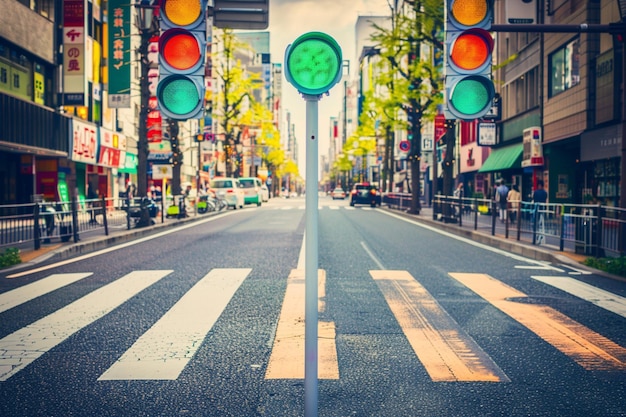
[(24, 346), (165, 349)]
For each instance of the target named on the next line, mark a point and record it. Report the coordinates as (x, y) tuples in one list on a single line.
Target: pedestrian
[(514, 197), (502, 191), (540, 195), (92, 197)]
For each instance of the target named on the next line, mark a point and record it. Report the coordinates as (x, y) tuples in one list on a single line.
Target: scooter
[(145, 204)]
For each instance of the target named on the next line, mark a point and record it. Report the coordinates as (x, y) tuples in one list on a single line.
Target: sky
[(288, 19)]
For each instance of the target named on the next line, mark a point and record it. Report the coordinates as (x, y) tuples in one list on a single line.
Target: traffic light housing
[(313, 63), (469, 89), (182, 50)]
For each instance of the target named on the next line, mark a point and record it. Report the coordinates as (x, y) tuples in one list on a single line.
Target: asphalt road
[(208, 320)]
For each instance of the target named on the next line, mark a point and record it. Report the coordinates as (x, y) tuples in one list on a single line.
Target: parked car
[(230, 190), (365, 193), (251, 190), (338, 194)]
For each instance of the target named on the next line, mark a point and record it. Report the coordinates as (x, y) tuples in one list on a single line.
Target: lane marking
[(27, 344), (587, 348), (446, 351), (28, 292), (123, 245), (577, 271), (536, 267), (371, 255), (287, 357), (604, 299), (165, 349)]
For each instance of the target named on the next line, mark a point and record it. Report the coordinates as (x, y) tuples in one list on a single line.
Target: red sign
[(440, 127), (404, 145)]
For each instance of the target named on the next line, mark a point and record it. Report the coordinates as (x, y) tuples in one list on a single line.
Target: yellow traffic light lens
[(470, 51), (469, 12), (182, 12)]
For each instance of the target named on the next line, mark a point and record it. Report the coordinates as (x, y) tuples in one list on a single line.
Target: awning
[(504, 158)]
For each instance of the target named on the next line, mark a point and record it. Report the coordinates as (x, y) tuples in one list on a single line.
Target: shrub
[(11, 256), (616, 266)]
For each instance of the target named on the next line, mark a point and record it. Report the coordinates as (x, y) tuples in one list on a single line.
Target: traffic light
[(469, 89), (313, 63), (182, 49)]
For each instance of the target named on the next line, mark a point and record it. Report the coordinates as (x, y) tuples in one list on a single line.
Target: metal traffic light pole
[(313, 65)]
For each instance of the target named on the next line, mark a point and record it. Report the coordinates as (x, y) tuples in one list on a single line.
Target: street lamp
[(148, 28)]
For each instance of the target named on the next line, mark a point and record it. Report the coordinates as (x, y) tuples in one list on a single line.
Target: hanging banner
[(119, 53), (74, 54)]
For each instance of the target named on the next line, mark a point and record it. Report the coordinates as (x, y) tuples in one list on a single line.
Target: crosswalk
[(447, 352)]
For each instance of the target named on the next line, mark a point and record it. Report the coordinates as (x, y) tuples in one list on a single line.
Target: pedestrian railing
[(594, 230), (34, 224)]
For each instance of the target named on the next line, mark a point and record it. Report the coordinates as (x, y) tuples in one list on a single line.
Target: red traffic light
[(471, 50), (180, 50)]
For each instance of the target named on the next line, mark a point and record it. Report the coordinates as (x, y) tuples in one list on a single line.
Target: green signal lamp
[(313, 63)]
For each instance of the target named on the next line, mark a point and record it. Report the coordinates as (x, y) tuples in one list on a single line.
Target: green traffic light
[(313, 63), (471, 96), (179, 97)]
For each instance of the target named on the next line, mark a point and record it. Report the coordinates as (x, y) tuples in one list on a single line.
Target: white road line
[(20, 295), (576, 270), (540, 267), (605, 299), (371, 255), (165, 349), (24, 346)]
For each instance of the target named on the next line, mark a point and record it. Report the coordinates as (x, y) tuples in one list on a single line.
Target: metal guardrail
[(45, 222), (593, 230)]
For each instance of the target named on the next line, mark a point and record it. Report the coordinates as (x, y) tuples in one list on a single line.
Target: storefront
[(600, 152)]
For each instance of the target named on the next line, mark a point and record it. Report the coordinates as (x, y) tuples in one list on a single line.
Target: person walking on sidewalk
[(502, 191), (513, 198)]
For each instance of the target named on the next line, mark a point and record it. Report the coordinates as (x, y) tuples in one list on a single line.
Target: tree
[(416, 79), (234, 97)]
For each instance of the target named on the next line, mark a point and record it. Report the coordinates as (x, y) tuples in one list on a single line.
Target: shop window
[(607, 180), (564, 68)]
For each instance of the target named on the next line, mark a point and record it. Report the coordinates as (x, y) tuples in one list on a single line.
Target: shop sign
[(533, 151), (84, 142)]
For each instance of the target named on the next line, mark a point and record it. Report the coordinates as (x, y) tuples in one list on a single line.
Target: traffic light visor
[(471, 50), (469, 12), (471, 96), (183, 13), (180, 50), (313, 63)]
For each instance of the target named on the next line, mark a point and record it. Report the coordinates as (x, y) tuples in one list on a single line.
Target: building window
[(564, 68)]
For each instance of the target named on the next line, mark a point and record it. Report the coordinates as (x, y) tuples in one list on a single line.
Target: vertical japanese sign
[(119, 53), (74, 38), (155, 121)]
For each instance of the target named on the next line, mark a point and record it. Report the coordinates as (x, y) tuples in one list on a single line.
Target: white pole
[(311, 260)]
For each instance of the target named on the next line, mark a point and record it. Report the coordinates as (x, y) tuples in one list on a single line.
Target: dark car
[(365, 193)]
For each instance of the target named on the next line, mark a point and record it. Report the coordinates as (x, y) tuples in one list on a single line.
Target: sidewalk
[(90, 242), (546, 253)]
